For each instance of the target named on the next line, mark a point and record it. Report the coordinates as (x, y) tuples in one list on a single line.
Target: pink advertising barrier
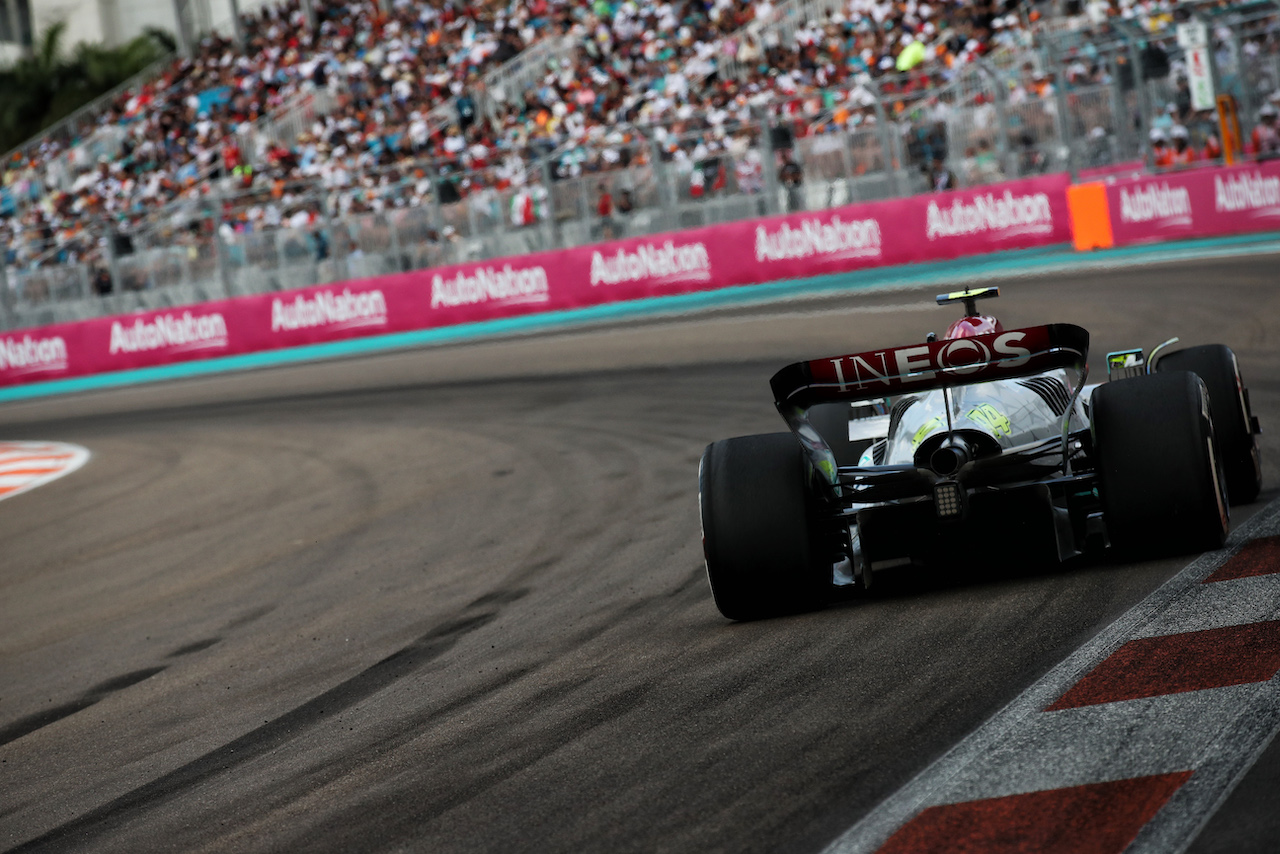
[(1197, 203), (1014, 215)]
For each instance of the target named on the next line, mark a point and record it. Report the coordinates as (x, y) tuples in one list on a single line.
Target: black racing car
[(899, 456)]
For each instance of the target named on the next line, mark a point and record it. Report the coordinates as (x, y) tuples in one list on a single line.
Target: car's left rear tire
[(757, 528)]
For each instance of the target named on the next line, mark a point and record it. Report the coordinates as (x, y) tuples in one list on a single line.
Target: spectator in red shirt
[(1161, 152), (1183, 154), (604, 209)]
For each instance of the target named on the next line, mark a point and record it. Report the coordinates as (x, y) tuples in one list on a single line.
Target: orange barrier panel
[(1090, 216)]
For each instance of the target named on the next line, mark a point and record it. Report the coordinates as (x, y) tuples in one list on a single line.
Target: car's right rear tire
[(1160, 477), (757, 528), (1232, 421)]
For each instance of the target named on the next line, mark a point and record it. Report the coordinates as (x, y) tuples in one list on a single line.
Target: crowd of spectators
[(388, 108), (405, 102)]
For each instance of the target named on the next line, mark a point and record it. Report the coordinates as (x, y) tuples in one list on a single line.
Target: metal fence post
[(550, 225), (1120, 117), (85, 284), (846, 159), (393, 241), (113, 263), (1000, 102), (773, 204), (884, 130), (221, 262), (1143, 97), (7, 316), (1249, 104)]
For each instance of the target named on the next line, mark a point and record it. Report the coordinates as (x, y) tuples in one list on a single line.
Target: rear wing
[(920, 367), (933, 365)]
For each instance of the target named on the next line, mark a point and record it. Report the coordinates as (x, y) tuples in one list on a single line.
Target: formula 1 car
[(905, 455)]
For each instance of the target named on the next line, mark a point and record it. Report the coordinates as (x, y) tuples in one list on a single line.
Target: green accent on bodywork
[(815, 447), (925, 429), (995, 420), (971, 293)]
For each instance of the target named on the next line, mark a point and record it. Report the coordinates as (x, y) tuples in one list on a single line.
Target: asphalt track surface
[(453, 599)]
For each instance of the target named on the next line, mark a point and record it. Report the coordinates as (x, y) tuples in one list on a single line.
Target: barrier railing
[(360, 293), (740, 252)]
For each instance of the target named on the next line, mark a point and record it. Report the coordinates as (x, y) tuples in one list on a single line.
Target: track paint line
[(57, 460), (1099, 818), (1260, 557), (1217, 733), (1175, 664), (1002, 266)]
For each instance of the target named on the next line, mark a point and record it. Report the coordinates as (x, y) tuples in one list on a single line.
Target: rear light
[(948, 500)]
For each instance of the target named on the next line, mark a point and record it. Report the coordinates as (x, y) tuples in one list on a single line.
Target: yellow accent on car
[(925, 429), (995, 420)]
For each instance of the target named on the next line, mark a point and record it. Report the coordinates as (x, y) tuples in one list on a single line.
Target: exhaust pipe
[(950, 456)]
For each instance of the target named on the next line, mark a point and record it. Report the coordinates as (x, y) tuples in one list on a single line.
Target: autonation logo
[(1246, 192), (1008, 213), (188, 332), (859, 238), (28, 355), (1145, 204), (327, 308), (508, 286), (689, 262)]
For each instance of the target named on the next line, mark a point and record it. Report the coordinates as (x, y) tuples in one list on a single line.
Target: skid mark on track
[(45, 717), (266, 738), (250, 617), (404, 810), (500, 597), (193, 648)]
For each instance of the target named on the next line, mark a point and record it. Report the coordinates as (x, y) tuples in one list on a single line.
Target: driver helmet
[(969, 327)]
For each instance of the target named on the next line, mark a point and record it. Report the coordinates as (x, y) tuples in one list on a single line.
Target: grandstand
[(333, 139)]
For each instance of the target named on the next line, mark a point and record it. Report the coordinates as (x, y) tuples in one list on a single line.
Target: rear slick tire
[(1232, 421), (1159, 474), (756, 528)]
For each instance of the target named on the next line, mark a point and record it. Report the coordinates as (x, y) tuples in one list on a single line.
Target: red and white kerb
[(26, 465), (1127, 746)]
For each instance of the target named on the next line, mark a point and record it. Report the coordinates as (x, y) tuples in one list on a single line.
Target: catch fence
[(1079, 100)]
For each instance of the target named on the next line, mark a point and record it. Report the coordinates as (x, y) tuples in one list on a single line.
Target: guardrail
[(1013, 215), (362, 300)]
